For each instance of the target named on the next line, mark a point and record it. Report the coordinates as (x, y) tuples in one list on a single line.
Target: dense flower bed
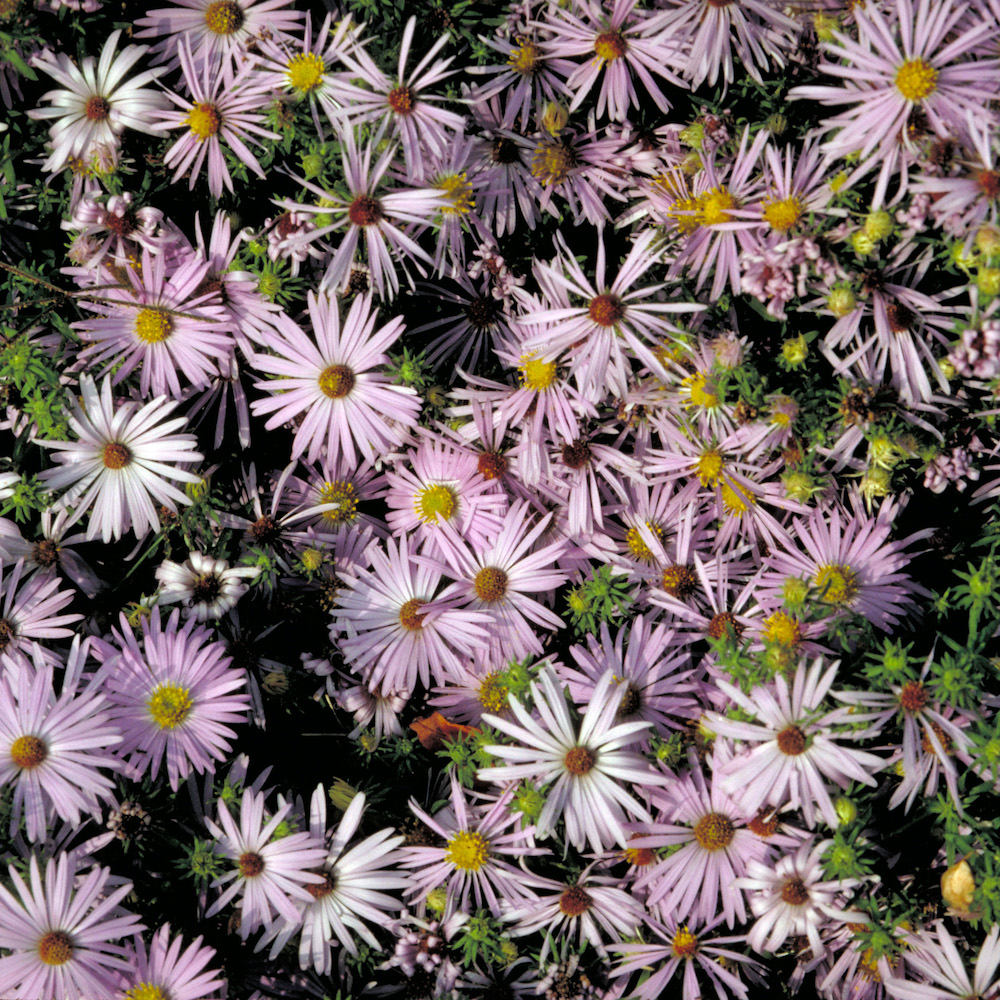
[(499, 500)]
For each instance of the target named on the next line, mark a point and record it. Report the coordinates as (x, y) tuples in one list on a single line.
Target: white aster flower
[(207, 588)]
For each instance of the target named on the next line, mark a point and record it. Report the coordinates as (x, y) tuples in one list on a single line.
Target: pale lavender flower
[(208, 588), (28, 609), (168, 972), (944, 970)]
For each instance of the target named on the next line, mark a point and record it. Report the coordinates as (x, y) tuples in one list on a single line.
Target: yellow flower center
[(684, 944), (713, 207), (305, 72), (610, 45), (916, 79), (714, 832), (493, 693), (458, 190), (336, 381), (685, 212), (536, 374), (146, 991), (169, 705), (837, 583), (701, 391), (637, 547), (709, 466), (782, 215), (580, 760), (409, 615), (204, 120), (468, 851), (342, 492), (552, 163), (735, 500), (116, 456), (28, 752), (524, 59), (490, 584), (153, 326), (437, 501), (55, 948), (224, 17), (783, 629)]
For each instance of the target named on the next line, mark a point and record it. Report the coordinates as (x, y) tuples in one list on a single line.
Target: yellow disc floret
[(204, 120), (916, 79), (536, 374), (305, 72), (714, 205), (837, 583), (468, 851), (152, 326), (782, 215), (169, 705), (434, 502)]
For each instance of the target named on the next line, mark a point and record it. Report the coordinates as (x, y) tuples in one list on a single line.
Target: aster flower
[(60, 932), (97, 103), (119, 225), (270, 876), (677, 946), (943, 969), (582, 764), (169, 971), (402, 106), (792, 898), (347, 408), (207, 587), (394, 627), (352, 892), (218, 32), (473, 862), (163, 324), (797, 749), (55, 750), (911, 63), (175, 698), (122, 462), (28, 610), (217, 112)]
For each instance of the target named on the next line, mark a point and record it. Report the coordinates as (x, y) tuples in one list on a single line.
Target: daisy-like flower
[(346, 408), (471, 863), (623, 43), (850, 561), (374, 218), (53, 750), (593, 908), (97, 103), (163, 324), (271, 876), (583, 765), (207, 587), (402, 105), (678, 946), (356, 879), (176, 697), (28, 610), (792, 898), (122, 463), (167, 971), (119, 225), (944, 970), (796, 752), (59, 932), (218, 32), (216, 112), (913, 62), (497, 579)]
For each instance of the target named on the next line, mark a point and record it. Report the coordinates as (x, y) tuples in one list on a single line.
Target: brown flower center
[(765, 823), (336, 381), (913, 696), (482, 312), (725, 624), (576, 454), (989, 183), (410, 617), (320, 889), (606, 310), (490, 584), (251, 864), (792, 741), (714, 832), (795, 892), (679, 581), (45, 553), (97, 109), (580, 760), (264, 530), (401, 100), (492, 465), (55, 948), (610, 45), (365, 211), (116, 455), (575, 901), (206, 588)]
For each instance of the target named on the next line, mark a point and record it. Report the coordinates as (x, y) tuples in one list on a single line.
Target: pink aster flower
[(97, 103), (60, 932), (217, 112), (582, 763), (168, 971), (497, 579), (474, 861), (797, 752), (119, 226), (623, 42), (791, 897), (357, 877), (394, 627), (217, 32), (943, 969), (122, 463), (345, 407), (402, 105), (676, 946), (377, 219), (165, 324), (270, 875), (911, 61), (176, 697), (55, 750), (28, 609)]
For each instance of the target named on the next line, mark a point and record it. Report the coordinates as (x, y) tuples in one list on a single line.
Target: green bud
[(878, 225), (795, 350), (846, 810), (312, 165)]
